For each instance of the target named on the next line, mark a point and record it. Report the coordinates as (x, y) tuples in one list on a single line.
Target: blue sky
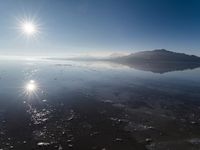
[(100, 26)]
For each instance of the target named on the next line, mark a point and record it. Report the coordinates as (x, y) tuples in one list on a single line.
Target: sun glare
[(29, 28)]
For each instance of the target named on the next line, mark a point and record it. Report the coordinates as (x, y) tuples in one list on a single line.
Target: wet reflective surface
[(99, 106)]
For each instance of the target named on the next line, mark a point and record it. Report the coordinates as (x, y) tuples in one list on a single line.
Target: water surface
[(49, 104)]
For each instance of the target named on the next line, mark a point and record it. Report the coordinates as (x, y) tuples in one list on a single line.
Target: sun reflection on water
[(31, 86), (31, 90)]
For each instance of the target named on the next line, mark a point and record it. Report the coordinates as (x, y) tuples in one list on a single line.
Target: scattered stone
[(107, 101), (70, 145), (68, 141), (195, 141), (148, 140), (71, 115), (11, 146), (193, 122), (43, 144), (118, 140), (44, 100)]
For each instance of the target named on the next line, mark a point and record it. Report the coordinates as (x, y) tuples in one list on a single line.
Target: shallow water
[(49, 104)]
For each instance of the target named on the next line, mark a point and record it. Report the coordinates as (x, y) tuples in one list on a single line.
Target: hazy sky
[(69, 26)]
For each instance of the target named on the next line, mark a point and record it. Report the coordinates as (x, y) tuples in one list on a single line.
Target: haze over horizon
[(100, 27)]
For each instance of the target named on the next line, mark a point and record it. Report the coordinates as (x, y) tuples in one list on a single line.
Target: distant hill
[(159, 61), (160, 55)]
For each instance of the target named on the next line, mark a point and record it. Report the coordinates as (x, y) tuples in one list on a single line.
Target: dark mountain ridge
[(159, 61), (160, 55)]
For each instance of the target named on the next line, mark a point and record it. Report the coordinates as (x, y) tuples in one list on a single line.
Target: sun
[(29, 28)]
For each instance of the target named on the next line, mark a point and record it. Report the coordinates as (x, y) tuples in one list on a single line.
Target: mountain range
[(159, 55), (159, 61)]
